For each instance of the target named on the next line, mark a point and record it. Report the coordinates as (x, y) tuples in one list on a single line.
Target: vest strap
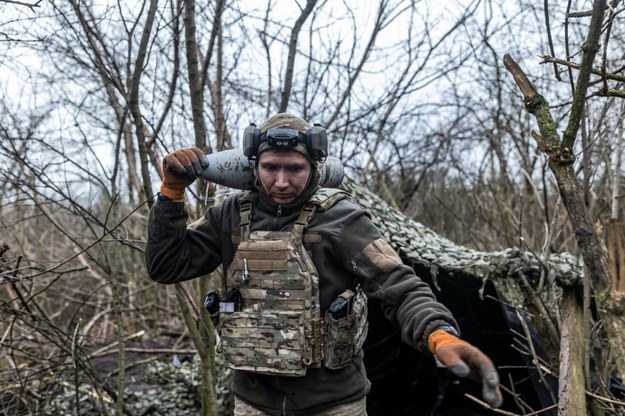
[(303, 220), (246, 219)]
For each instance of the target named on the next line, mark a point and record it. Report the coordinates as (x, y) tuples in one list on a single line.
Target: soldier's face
[(283, 174)]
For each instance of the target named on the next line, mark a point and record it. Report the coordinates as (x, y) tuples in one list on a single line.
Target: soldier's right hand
[(180, 169)]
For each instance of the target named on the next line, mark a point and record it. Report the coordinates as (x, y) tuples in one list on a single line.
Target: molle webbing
[(270, 256)]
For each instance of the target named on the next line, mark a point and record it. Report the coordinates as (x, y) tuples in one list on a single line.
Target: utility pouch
[(341, 305), (212, 304), (345, 328)]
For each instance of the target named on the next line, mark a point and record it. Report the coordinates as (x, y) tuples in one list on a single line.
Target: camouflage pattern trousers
[(358, 408)]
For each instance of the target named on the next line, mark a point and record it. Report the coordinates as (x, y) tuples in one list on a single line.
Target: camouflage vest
[(276, 327)]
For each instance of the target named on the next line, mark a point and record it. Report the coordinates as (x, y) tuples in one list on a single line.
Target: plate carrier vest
[(276, 327)]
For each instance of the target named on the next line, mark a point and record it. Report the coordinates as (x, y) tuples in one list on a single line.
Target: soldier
[(299, 263)]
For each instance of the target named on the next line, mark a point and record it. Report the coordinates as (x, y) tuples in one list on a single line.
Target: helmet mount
[(284, 137)]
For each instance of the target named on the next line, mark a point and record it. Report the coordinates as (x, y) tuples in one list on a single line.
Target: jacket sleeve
[(406, 300), (176, 252)]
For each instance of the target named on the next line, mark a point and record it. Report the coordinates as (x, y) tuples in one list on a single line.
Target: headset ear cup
[(317, 142), (251, 141)]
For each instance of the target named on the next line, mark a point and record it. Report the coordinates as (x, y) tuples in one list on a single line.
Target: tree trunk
[(610, 304)]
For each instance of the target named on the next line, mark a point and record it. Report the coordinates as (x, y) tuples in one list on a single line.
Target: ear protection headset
[(315, 139)]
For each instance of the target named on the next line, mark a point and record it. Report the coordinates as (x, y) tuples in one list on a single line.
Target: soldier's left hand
[(465, 360)]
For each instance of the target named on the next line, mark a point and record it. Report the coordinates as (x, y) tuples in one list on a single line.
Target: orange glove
[(463, 359), (180, 169)]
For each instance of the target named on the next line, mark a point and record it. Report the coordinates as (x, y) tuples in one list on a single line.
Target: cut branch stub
[(524, 84), (548, 140)]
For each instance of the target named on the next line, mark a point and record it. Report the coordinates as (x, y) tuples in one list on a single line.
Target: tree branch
[(569, 64), (133, 101), (590, 49), (290, 64), (21, 3), (548, 140), (195, 77)]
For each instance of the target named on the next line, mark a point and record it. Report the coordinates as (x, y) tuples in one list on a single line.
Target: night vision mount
[(315, 139)]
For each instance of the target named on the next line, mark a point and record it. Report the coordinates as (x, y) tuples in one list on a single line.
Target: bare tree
[(414, 98)]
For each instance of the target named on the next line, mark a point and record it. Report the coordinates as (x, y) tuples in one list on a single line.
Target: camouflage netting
[(168, 389), (420, 245)]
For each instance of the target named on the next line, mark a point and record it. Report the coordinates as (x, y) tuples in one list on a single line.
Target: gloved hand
[(463, 359), (180, 169)]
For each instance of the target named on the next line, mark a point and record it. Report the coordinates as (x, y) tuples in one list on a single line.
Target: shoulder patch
[(380, 253)]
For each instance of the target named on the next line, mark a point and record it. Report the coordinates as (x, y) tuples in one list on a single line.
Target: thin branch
[(550, 38), (569, 64), (21, 3), (290, 65), (605, 399), (506, 413), (107, 232), (133, 100), (590, 49), (195, 75)]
